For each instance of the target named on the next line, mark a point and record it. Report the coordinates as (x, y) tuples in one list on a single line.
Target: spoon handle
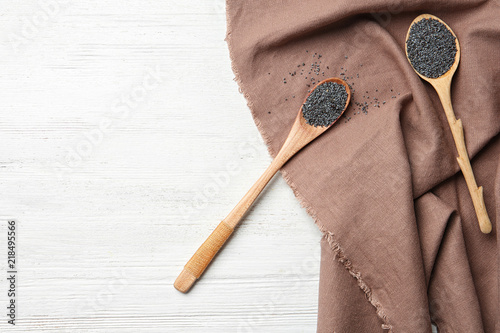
[(207, 251), (457, 130)]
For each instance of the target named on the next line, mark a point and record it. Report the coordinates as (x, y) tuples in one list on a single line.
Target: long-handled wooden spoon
[(442, 85), (300, 135)]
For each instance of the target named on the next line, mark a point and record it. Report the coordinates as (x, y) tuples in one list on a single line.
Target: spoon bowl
[(300, 135), (442, 85), (449, 74)]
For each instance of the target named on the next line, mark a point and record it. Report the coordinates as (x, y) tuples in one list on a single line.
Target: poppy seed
[(325, 104), (431, 48)]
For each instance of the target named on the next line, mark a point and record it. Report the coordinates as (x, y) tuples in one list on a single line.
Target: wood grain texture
[(108, 216)]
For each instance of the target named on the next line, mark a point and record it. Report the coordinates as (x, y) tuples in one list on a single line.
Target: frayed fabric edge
[(241, 89), (334, 244), (338, 253)]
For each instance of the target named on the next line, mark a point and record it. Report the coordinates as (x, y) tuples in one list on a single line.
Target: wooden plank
[(107, 217)]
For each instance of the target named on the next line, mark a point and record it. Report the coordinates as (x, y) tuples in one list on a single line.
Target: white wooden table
[(124, 141)]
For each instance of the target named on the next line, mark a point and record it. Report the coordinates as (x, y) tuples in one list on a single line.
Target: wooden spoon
[(300, 135), (442, 85)]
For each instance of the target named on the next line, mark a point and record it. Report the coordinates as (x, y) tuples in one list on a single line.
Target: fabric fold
[(383, 184)]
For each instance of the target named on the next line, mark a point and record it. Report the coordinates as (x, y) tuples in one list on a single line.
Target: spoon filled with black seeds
[(325, 104), (433, 51), (322, 107)]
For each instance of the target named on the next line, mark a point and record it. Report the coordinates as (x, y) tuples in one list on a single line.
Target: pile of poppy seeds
[(325, 104), (431, 48)]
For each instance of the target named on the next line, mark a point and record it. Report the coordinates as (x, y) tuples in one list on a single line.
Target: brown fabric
[(402, 246)]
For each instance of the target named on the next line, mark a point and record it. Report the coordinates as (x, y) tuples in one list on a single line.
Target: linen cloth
[(401, 246)]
